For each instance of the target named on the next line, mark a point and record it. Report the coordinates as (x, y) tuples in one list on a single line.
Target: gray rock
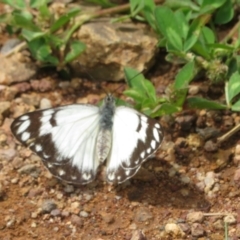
[(111, 47), (13, 70)]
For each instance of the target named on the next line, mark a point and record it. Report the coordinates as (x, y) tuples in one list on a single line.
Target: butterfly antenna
[(126, 81)]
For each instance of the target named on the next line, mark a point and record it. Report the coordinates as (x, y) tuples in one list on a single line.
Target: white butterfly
[(74, 140)]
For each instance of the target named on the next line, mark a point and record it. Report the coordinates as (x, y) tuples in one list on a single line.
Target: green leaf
[(193, 34), (16, 4), (186, 4), (225, 13), (22, 21), (44, 54), (148, 12), (76, 48), (202, 50), (64, 19), (236, 106), (179, 97), (184, 76), (139, 85), (208, 35), (184, 26), (131, 76), (103, 3), (202, 103), (165, 109), (208, 6), (232, 87), (213, 3), (169, 27), (38, 3), (54, 40), (136, 6), (30, 35)]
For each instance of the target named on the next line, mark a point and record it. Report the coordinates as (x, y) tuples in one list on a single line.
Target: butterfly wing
[(65, 139), (135, 138)]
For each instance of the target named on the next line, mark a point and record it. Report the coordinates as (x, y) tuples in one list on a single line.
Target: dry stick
[(231, 33), (214, 214), (228, 134)]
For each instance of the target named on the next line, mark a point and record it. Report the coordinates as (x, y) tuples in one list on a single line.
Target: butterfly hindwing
[(65, 139), (135, 138)]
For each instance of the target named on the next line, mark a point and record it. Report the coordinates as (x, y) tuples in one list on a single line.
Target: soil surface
[(189, 190)]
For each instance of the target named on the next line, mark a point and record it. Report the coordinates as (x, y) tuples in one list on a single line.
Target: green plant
[(187, 30), (48, 36)]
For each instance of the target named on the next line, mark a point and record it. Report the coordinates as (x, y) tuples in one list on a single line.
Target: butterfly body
[(74, 140), (104, 138)]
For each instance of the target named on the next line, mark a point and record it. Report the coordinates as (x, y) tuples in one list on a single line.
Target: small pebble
[(197, 230), (88, 197), (48, 205), (83, 214), (108, 218), (76, 220), (55, 212), (210, 146), (34, 215), (193, 90), (45, 103), (194, 217), (33, 225), (14, 180), (174, 230), (68, 189), (65, 214), (209, 181)]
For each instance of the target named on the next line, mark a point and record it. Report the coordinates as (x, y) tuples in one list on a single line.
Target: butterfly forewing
[(136, 137), (64, 138)]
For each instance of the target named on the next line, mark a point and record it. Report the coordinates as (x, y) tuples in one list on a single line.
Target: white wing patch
[(135, 138), (65, 139)]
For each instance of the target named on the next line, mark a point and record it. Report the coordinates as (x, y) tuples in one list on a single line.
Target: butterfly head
[(109, 101)]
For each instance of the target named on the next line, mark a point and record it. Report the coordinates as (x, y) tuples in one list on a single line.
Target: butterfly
[(74, 140)]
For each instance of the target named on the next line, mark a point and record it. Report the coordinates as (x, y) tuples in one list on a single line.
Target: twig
[(228, 134)]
